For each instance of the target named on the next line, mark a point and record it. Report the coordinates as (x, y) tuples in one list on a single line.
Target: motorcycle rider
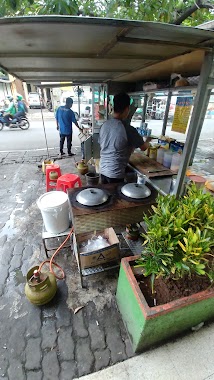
[(21, 107), (10, 111)]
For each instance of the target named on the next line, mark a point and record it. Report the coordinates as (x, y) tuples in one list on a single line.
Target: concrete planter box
[(148, 326)]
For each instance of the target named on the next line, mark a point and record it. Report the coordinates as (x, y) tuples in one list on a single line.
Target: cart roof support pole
[(166, 113), (93, 115), (206, 100), (145, 103), (78, 94), (196, 122)]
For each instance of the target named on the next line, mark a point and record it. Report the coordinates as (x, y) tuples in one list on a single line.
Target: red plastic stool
[(51, 182), (68, 181)]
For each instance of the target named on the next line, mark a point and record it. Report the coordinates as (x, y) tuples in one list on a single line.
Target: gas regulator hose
[(53, 263)]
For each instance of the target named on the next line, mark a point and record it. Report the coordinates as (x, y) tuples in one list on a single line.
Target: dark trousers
[(19, 114), (69, 142), (8, 118), (105, 180)]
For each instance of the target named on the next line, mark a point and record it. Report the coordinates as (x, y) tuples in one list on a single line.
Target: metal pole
[(166, 113), (92, 113), (106, 100), (52, 99), (43, 124), (78, 89), (145, 103), (202, 122), (196, 122)]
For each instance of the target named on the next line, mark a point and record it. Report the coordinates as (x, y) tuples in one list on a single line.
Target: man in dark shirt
[(64, 119)]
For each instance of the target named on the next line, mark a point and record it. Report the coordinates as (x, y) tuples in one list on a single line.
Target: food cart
[(114, 55)]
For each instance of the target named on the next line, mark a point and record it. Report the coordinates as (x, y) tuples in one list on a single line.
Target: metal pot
[(135, 191), (92, 197), (92, 179), (82, 167)]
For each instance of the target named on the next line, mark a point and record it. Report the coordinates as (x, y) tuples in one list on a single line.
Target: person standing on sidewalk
[(64, 119)]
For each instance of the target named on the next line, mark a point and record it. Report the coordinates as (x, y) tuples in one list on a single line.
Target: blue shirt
[(65, 117), (21, 106)]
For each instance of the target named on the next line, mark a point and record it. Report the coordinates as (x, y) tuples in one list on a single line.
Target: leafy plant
[(189, 12), (180, 236)]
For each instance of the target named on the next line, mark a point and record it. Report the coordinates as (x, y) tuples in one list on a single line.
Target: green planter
[(148, 326)]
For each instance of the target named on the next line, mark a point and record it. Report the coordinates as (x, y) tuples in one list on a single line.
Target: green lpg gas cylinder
[(40, 288)]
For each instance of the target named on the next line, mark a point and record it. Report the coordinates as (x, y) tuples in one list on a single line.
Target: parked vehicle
[(20, 122), (35, 100)]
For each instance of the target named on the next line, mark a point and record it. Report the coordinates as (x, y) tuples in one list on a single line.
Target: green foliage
[(180, 235), (147, 10)]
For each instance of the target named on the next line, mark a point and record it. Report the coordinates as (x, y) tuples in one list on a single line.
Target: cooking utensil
[(135, 190), (92, 197)]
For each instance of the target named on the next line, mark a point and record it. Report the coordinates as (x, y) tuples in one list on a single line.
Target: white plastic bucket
[(54, 209)]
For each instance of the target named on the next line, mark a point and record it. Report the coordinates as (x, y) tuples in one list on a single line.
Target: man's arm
[(9, 109), (75, 121), (77, 125), (145, 145), (134, 139)]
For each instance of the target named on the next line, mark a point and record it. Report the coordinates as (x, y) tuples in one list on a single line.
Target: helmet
[(19, 97), (10, 98)]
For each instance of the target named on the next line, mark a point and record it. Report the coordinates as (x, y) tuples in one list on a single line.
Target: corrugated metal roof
[(83, 49)]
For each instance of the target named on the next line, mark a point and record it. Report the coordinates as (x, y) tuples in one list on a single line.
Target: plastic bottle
[(167, 158), (153, 152), (160, 154), (176, 160)]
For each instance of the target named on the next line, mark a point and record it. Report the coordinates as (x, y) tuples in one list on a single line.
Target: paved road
[(34, 137)]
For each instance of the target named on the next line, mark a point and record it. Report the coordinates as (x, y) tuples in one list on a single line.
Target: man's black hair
[(69, 102), (121, 102)]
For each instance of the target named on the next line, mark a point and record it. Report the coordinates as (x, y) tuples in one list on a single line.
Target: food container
[(92, 179), (160, 154), (167, 158), (153, 152), (198, 180), (176, 160), (141, 179)]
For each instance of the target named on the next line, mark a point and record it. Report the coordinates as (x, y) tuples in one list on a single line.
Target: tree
[(189, 12)]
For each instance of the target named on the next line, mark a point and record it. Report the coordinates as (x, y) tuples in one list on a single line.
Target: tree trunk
[(188, 12)]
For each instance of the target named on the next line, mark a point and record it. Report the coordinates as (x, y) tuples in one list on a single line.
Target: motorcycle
[(18, 122)]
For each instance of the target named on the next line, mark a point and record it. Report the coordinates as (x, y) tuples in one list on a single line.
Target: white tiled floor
[(187, 358)]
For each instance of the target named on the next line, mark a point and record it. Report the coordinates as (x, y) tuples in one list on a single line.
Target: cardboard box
[(177, 146), (100, 256)]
